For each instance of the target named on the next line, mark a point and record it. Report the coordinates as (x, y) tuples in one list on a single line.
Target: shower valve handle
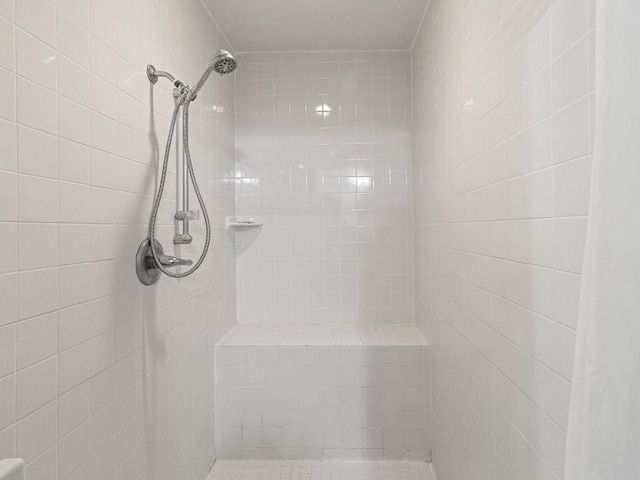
[(169, 261)]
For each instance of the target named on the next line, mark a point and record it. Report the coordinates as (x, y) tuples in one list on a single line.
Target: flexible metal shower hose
[(183, 101)]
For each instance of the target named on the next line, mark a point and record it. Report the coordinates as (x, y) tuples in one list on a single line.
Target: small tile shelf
[(239, 224)]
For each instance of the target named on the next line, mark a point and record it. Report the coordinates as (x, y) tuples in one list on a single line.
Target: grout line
[(217, 26), (424, 16)]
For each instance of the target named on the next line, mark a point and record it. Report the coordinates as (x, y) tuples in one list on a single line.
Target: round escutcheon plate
[(147, 272)]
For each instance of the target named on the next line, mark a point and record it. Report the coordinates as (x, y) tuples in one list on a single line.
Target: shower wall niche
[(323, 145)]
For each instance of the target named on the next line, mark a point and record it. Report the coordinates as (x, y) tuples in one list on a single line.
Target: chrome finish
[(149, 269), (148, 275), (169, 261), (189, 215), (146, 267), (182, 239), (222, 63), (153, 75), (185, 196)]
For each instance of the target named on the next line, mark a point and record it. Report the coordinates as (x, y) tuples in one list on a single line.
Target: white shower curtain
[(603, 440)]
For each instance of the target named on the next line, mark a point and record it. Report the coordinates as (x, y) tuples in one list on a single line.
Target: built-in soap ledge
[(239, 224)]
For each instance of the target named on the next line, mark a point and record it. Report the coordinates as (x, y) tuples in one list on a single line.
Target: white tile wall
[(99, 377), (323, 156), (335, 401), (502, 144)]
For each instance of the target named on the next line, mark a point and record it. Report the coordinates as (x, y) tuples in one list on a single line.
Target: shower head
[(222, 63)]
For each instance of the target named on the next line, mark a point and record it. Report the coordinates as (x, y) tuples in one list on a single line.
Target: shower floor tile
[(319, 470)]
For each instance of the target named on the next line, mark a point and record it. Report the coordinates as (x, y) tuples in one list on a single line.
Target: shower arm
[(153, 75)]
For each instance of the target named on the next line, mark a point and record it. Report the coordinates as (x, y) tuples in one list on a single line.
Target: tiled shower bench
[(310, 392)]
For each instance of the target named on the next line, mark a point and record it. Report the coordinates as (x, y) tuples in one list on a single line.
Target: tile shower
[(503, 133), (411, 296), (309, 399), (323, 144), (99, 377)]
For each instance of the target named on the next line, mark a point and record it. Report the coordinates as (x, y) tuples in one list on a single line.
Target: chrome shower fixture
[(150, 259), (153, 75), (222, 63)]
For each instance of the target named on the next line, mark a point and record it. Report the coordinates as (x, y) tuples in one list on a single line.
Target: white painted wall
[(99, 377), (323, 156), (502, 145)]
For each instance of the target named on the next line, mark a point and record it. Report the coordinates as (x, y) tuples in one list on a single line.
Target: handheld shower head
[(222, 63)]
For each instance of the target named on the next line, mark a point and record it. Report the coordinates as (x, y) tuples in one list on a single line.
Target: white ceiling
[(274, 25)]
